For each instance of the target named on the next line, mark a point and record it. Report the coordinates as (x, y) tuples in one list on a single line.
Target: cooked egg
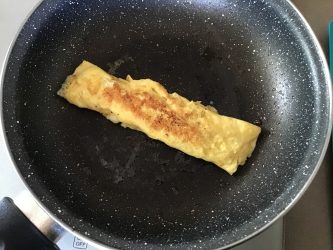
[(145, 105)]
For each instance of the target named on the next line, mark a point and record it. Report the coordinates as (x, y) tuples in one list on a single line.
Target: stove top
[(12, 15)]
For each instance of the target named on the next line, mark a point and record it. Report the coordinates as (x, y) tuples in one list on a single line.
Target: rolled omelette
[(146, 106)]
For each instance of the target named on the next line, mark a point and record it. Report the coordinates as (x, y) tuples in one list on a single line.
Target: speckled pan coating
[(255, 60)]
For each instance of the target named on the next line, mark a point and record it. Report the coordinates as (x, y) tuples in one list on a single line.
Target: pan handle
[(18, 232)]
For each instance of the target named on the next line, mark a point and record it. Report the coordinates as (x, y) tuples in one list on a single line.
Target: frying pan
[(255, 60)]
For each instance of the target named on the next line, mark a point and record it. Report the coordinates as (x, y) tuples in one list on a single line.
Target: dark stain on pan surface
[(124, 190)]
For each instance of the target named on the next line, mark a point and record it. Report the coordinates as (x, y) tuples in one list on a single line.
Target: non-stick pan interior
[(253, 60)]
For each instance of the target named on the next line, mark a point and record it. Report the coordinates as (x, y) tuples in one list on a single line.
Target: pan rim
[(93, 242)]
